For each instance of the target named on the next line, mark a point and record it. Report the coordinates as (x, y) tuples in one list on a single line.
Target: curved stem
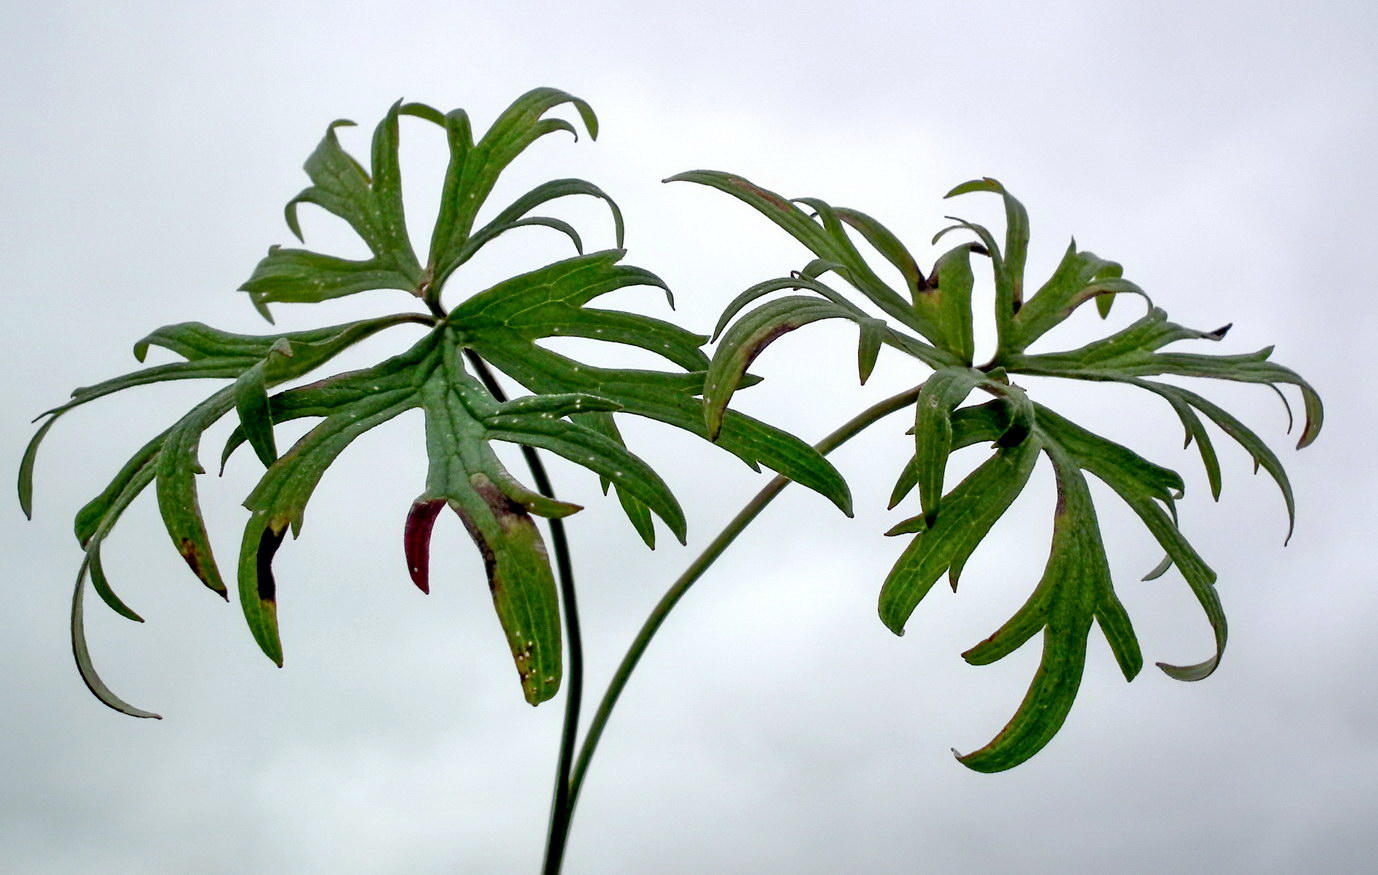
[(561, 802), (849, 430)]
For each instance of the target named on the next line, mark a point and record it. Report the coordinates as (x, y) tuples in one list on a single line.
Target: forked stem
[(556, 843)]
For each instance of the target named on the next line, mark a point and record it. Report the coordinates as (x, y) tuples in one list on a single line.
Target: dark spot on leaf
[(188, 550), (1219, 333), (490, 561), (1013, 436), (930, 284), (495, 498), (192, 555), (268, 544)]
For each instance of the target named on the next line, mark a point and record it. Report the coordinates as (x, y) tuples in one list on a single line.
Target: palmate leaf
[(570, 414), (1075, 590), (462, 419), (371, 202)]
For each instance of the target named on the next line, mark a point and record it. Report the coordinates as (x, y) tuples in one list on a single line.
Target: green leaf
[(475, 167), (796, 282), (571, 413), (511, 217), (373, 205), (26, 467), (551, 302), (176, 468), (946, 300), (828, 240), (101, 585), (1147, 489), (1250, 368), (462, 418), (941, 394), (170, 458), (373, 208), (970, 425), (1079, 277), (1194, 429), (1074, 585), (1252, 443), (887, 244), (1110, 461), (1009, 262), (748, 338), (1130, 345), (1075, 589), (251, 400), (83, 655), (279, 500), (969, 511), (871, 336), (519, 574), (100, 513)]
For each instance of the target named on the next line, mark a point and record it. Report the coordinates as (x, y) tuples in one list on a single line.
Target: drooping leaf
[(1149, 490), (83, 655), (969, 511), (747, 338), (462, 419), (1075, 583), (571, 413), (171, 458)]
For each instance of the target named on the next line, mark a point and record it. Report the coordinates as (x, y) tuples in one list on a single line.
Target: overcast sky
[(1222, 151)]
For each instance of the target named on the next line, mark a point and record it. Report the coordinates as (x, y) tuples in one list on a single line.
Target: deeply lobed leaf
[(570, 414), (1075, 591)]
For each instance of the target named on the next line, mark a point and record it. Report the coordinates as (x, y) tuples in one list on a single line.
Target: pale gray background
[(1222, 151)]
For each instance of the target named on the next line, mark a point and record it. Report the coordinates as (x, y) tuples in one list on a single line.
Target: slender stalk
[(560, 806), (846, 432)]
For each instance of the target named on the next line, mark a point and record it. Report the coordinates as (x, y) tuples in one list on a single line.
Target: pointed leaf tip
[(26, 466), (416, 540), (82, 654)]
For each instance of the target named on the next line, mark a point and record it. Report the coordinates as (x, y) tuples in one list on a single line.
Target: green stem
[(561, 804), (681, 586)]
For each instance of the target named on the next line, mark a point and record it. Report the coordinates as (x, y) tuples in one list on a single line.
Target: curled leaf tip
[(1198, 672)]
